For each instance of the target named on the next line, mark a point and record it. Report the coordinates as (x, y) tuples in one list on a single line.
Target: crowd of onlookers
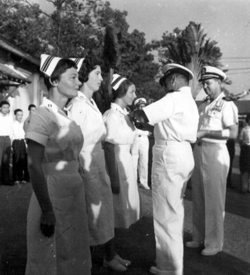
[(13, 147)]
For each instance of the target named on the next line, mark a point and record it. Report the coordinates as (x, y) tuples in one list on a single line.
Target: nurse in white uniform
[(218, 122), (118, 141), (57, 224), (175, 118), (84, 111)]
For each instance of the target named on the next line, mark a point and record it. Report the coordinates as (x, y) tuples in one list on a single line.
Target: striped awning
[(6, 73)]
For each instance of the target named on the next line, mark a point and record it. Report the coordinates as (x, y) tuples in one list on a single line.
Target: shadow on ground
[(136, 244)]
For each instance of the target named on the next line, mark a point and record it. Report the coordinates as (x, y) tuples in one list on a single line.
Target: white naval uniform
[(140, 153), (176, 121), (210, 174), (97, 183)]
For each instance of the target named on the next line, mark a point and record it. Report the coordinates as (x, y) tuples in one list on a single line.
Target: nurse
[(84, 111), (57, 225), (118, 141)]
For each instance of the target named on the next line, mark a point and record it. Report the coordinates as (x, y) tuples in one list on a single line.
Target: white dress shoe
[(155, 270), (210, 251)]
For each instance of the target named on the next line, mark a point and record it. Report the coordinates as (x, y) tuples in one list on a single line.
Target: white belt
[(166, 142)]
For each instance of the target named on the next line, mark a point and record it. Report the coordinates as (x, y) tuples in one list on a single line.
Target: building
[(20, 81)]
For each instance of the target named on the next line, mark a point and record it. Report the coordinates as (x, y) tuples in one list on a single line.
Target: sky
[(225, 21)]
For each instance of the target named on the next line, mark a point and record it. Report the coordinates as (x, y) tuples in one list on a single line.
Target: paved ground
[(137, 243)]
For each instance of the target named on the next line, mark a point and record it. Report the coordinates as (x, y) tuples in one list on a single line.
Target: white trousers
[(140, 158), (209, 193), (172, 167)]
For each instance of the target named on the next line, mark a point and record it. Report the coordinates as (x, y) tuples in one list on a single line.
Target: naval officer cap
[(208, 72), (171, 68), (48, 64), (140, 101)]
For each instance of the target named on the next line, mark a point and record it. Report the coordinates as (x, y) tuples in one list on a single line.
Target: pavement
[(137, 243)]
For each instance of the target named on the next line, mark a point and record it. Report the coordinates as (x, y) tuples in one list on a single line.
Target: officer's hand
[(47, 223), (201, 134)]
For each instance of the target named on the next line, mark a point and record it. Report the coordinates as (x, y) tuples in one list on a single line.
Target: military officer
[(175, 119), (218, 122)]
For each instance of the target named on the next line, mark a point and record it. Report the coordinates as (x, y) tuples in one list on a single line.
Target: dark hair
[(248, 118), (4, 102), (17, 110), (88, 65), (62, 66), (122, 89), (31, 106)]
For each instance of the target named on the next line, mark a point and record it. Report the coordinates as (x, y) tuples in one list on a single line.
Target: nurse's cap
[(171, 68), (208, 72), (78, 62), (117, 80), (48, 64), (140, 101)]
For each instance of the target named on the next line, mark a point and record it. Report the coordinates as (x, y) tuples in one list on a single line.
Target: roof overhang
[(10, 76)]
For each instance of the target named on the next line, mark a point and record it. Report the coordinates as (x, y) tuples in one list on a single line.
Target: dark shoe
[(115, 265), (193, 244)]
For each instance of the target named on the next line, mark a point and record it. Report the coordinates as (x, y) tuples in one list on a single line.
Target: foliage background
[(77, 28)]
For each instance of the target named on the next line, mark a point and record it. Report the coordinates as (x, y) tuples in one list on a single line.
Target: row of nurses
[(102, 205)]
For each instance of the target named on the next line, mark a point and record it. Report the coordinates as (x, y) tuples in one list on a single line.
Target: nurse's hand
[(47, 223)]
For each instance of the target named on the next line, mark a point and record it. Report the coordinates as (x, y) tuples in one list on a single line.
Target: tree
[(191, 49), (74, 29)]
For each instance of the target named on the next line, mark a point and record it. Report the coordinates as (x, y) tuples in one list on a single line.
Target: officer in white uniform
[(218, 122), (140, 150), (175, 118)]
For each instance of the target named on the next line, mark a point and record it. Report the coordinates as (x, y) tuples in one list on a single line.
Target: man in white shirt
[(20, 165), (5, 142), (218, 122), (140, 150), (175, 119)]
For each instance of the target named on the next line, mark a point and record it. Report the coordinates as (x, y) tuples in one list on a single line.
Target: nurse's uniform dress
[(67, 251), (99, 199), (121, 133)]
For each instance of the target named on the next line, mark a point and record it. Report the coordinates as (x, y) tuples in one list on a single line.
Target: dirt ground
[(137, 243)]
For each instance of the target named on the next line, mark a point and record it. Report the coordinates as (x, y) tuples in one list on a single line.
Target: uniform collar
[(118, 108), (50, 105), (81, 96)]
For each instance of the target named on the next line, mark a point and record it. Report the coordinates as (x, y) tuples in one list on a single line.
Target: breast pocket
[(215, 117)]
